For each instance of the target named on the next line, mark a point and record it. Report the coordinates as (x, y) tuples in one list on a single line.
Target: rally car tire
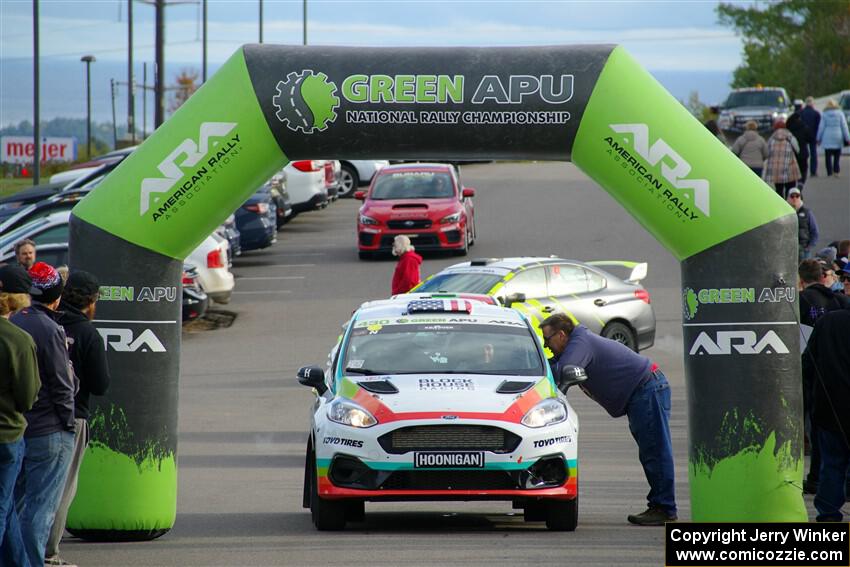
[(364, 255), (328, 515), (534, 511), (465, 250), (562, 515), (621, 333), (355, 511)]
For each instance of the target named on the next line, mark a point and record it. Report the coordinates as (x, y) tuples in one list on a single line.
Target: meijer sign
[(21, 149)]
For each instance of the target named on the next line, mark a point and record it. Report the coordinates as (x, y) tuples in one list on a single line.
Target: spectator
[(807, 226), (25, 253), (842, 255), (816, 299), (811, 117), (19, 386), (833, 134), (88, 357), (826, 364), (781, 167), (624, 383), (797, 126), (751, 148), (844, 277), (711, 126), (49, 437), (406, 274)]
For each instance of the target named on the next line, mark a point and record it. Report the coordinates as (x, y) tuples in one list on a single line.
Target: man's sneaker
[(652, 517), (57, 561)]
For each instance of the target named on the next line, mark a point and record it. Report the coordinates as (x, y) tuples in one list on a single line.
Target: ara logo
[(122, 340), (741, 342), (187, 154), (696, 189)]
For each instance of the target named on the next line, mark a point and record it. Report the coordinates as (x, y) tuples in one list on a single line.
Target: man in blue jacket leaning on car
[(623, 383)]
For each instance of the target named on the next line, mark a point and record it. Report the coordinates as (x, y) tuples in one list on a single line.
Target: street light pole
[(159, 68), (204, 66), (88, 60), (131, 95), (36, 87), (305, 22), (261, 21)]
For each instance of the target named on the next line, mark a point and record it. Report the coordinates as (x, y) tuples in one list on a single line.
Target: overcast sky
[(680, 36)]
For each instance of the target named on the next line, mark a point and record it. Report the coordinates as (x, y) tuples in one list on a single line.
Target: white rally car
[(440, 398)]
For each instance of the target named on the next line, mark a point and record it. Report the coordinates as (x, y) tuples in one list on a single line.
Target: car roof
[(416, 167), (23, 231), (506, 265), (398, 307)]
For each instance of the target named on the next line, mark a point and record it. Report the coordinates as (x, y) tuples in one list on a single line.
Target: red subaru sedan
[(424, 201)]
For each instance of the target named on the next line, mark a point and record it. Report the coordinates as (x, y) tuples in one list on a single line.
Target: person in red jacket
[(406, 274)]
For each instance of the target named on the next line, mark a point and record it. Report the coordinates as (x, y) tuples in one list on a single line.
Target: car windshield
[(755, 98), (413, 185), (460, 282), (844, 103), (442, 345)]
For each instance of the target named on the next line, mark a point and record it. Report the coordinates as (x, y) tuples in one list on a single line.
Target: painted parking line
[(261, 292), (241, 278)]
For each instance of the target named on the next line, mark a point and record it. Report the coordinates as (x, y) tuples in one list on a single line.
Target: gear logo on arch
[(306, 101)]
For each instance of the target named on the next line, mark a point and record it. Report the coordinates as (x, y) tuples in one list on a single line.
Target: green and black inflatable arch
[(593, 105)]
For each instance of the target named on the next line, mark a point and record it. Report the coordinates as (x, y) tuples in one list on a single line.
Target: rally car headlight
[(349, 413), (367, 220), (546, 412), (451, 218)]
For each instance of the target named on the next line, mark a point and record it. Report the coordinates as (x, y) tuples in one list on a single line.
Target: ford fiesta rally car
[(440, 398)]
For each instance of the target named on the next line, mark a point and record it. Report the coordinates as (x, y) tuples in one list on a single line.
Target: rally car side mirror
[(571, 376), (513, 298), (314, 377)]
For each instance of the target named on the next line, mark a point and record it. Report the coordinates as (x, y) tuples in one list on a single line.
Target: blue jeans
[(649, 421), (813, 157), (12, 550), (40, 486), (834, 465)]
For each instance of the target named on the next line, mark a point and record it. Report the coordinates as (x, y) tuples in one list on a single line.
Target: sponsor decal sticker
[(444, 384), (660, 170), (737, 342), (123, 340), (449, 460), (190, 167), (692, 300), (342, 441), (552, 441), (153, 294), (308, 101)]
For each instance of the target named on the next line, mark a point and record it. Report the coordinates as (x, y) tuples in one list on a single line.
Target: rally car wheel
[(562, 515), (355, 511), (621, 333), (465, 250), (328, 515), (534, 511)]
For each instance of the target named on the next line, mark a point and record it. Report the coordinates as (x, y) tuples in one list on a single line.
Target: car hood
[(448, 394), (411, 208)]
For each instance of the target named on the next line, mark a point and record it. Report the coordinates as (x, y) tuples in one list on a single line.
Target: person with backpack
[(797, 126), (781, 168)]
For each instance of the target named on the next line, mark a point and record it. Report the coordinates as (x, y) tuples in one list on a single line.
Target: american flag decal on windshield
[(439, 306)]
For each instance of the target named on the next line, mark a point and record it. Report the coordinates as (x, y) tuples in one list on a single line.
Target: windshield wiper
[(365, 371)]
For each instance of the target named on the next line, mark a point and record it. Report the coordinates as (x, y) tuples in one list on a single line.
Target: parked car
[(195, 301), (356, 173), (470, 410), (333, 171), (210, 260), (12, 204), (615, 308), (229, 232), (305, 182), (257, 221), (425, 201), (64, 201), (276, 188), (764, 105), (73, 174), (49, 229)]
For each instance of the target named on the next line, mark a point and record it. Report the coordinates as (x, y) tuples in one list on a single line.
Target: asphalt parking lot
[(243, 417)]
